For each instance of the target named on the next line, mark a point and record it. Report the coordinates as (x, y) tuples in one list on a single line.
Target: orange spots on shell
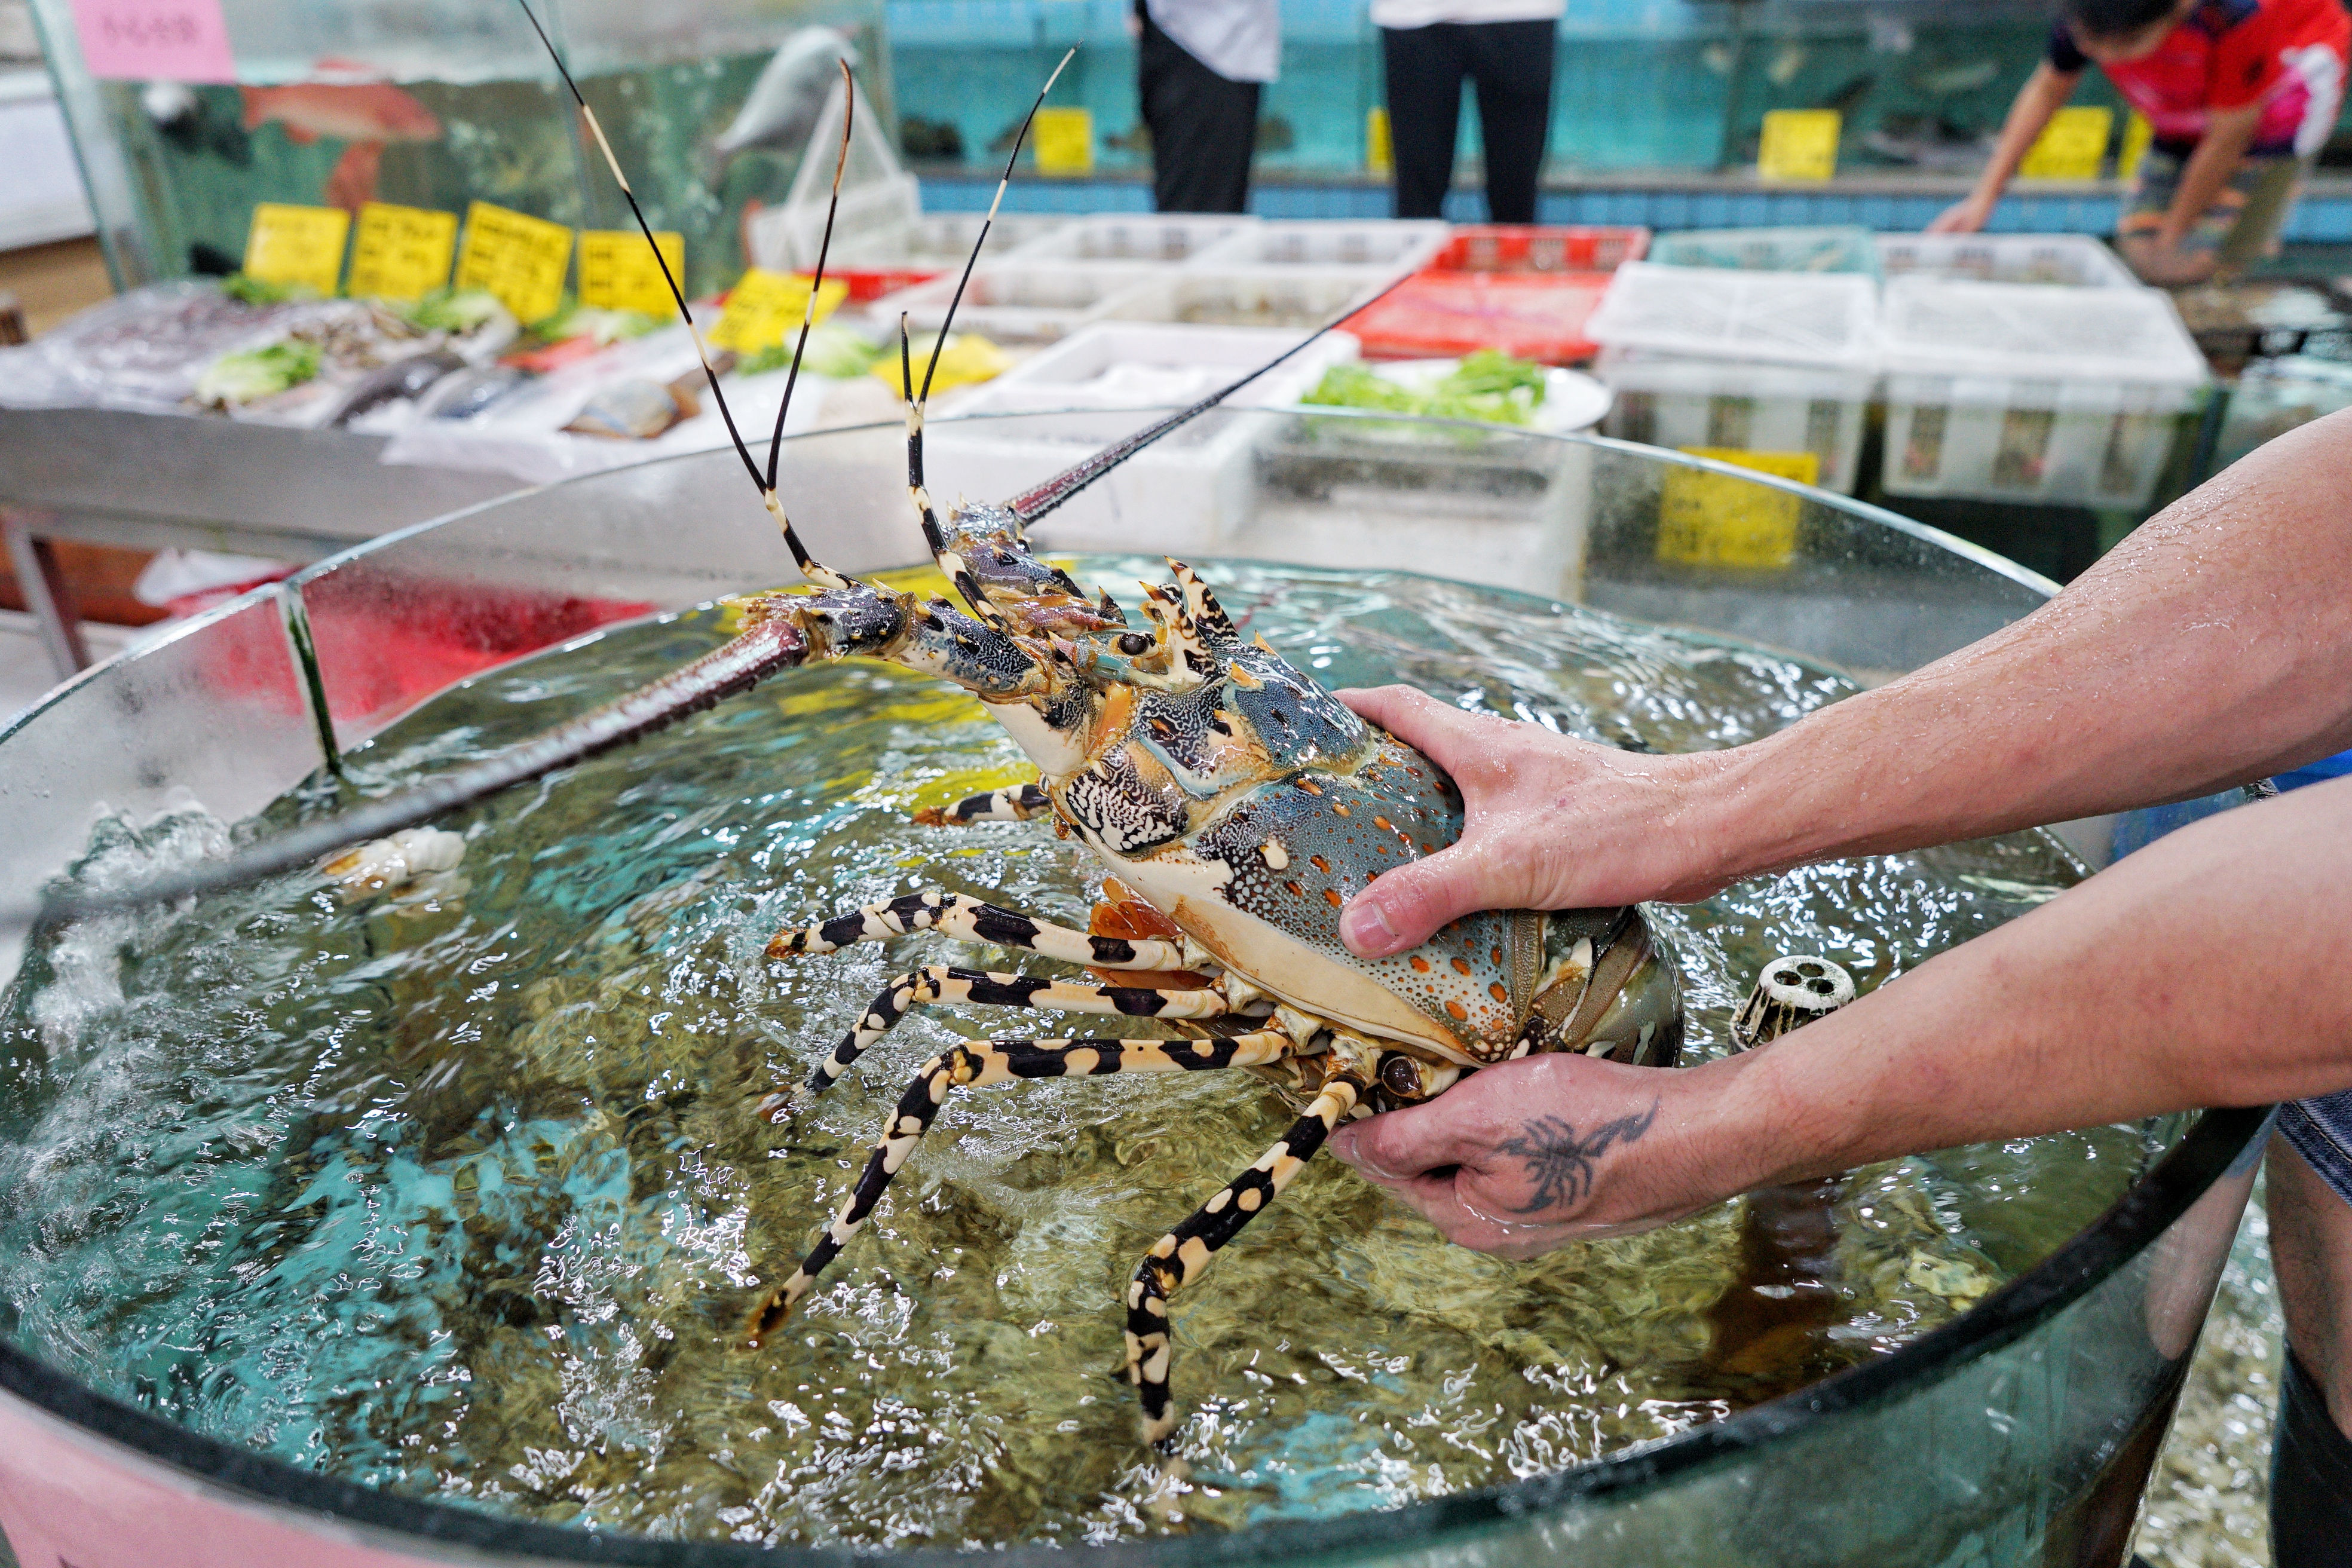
[(1341, 809), (1331, 895), (1461, 966), (1498, 994), (1320, 864), (1419, 964), (1456, 1010), (1499, 958), (1384, 825), (1310, 786), (1295, 890)]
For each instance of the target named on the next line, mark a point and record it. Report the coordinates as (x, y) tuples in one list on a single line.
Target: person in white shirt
[(1200, 67), (1505, 48)]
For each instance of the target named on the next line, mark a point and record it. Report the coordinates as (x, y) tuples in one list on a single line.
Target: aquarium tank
[(438, 103)]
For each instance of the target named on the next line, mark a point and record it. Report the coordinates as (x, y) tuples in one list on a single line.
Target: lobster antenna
[(1012, 158), (825, 245), (801, 557), (1036, 503)]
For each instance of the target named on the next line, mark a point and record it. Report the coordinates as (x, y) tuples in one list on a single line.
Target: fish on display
[(395, 382), (1929, 141), (468, 392), (367, 114), (1951, 77), (635, 409), (791, 92)]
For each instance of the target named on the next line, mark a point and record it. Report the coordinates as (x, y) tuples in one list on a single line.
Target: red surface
[(872, 282), (387, 643), (1539, 248), (1443, 314)]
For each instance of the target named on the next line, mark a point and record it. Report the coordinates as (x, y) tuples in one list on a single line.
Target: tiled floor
[(25, 671)]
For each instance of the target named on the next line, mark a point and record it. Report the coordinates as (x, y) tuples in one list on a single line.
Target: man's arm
[(2205, 970), (2159, 257), (2043, 95), (2211, 647)]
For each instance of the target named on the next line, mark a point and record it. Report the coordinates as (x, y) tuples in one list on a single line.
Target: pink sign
[(154, 40)]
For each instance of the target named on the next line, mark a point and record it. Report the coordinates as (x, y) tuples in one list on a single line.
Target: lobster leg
[(961, 916), (1020, 804), (1179, 1255), (994, 1062), (937, 982)]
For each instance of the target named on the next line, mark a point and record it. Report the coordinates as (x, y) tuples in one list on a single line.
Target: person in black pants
[(1203, 125), (1511, 63)]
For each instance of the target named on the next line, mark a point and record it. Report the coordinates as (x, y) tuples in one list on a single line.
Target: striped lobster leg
[(961, 916), (1018, 805), (937, 984), (1178, 1259), (970, 1066)]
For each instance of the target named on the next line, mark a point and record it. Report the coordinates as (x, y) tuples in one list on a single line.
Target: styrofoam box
[(1664, 400), (1781, 318), (945, 239), (1121, 237), (1393, 246), (2020, 392), (1301, 298), (2076, 260), (1017, 302), (1188, 489)]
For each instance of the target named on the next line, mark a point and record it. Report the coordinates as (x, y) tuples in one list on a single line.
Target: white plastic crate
[(877, 195), (1120, 236), (2276, 396), (1017, 302), (1297, 298), (1664, 400), (2074, 260), (2018, 392), (943, 239), (1778, 318), (1391, 247), (1188, 489)]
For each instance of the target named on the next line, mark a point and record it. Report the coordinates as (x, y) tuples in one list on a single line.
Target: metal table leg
[(34, 561)]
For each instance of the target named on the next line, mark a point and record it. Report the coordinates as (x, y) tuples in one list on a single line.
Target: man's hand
[(1552, 824), (1518, 1159), (1968, 217)]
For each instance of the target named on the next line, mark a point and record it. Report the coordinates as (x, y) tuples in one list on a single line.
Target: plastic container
[(1783, 318), (1842, 248), (1293, 297), (1664, 400), (1445, 313), (1188, 489), (1170, 238), (1516, 247), (1391, 245), (1017, 302), (2016, 392), (2076, 260), (2273, 396)]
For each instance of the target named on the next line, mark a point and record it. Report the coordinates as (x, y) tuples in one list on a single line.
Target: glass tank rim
[(2076, 1268)]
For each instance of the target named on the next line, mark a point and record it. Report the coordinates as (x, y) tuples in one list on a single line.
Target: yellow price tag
[(297, 245), (1715, 520), (1379, 151), (1066, 141), (401, 253), (617, 270), (519, 258), (2071, 147), (764, 308), (2138, 137), (1798, 144)]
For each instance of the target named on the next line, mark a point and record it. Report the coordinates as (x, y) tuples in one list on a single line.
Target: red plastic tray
[(1539, 248), (1440, 314)]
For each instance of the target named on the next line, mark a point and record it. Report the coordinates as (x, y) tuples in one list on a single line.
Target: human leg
[(1425, 68), (1204, 128), (1511, 62), (2311, 1248)]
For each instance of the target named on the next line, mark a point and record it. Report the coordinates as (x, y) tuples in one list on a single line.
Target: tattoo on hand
[(1560, 1159)]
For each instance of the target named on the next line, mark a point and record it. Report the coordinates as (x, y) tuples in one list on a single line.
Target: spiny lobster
[(1236, 804)]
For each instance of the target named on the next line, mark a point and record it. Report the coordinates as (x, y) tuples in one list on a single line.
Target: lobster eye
[(1400, 1078), (1132, 643)]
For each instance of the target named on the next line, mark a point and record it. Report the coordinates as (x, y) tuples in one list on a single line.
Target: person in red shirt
[(2240, 95)]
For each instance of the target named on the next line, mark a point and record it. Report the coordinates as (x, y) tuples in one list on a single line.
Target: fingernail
[(1364, 927), (1342, 1145)]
